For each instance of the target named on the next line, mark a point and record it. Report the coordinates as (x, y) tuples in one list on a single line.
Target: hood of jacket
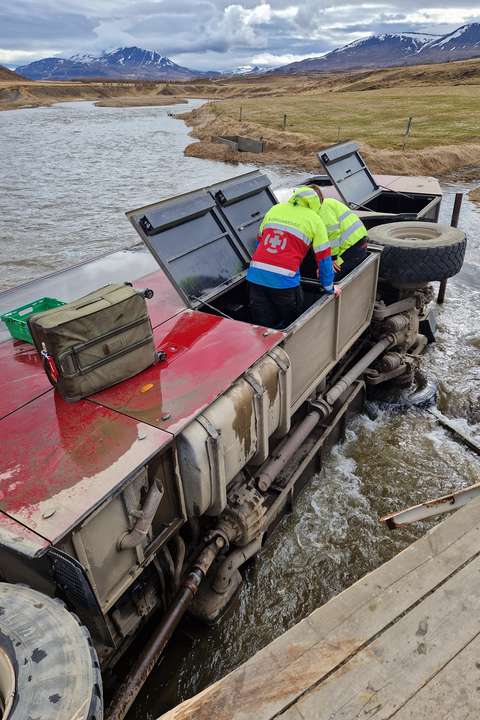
[(305, 197)]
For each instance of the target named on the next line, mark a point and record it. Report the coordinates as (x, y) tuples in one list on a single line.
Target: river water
[(68, 174)]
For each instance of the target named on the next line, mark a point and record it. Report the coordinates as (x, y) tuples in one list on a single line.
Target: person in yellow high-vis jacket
[(347, 234)]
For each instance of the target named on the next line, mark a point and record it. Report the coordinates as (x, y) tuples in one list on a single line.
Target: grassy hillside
[(6, 74), (371, 107)]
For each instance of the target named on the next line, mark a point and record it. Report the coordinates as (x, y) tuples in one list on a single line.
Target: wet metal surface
[(22, 377), (205, 354), (20, 539), (60, 460)]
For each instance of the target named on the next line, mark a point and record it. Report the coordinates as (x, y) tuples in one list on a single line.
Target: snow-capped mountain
[(130, 63), (247, 70), (84, 59), (458, 45), (387, 49)]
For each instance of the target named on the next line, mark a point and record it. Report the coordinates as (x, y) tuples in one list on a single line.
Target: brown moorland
[(317, 110)]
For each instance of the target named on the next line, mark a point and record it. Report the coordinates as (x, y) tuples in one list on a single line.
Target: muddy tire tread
[(34, 701)]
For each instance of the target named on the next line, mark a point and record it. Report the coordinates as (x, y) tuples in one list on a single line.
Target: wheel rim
[(7, 685)]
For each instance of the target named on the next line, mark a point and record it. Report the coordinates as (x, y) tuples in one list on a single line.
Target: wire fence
[(393, 132)]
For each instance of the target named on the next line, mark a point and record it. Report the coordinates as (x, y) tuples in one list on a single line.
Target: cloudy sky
[(213, 34)]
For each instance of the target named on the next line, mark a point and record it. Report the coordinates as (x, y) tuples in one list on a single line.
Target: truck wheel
[(416, 253), (48, 666)]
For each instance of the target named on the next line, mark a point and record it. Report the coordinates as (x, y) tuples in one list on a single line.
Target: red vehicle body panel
[(205, 355), (60, 460), (22, 377), (20, 539)]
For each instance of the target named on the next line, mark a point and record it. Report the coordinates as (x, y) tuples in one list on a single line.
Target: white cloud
[(287, 13), (239, 24), (15, 57), (276, 60), (455, 15), (214, 34)]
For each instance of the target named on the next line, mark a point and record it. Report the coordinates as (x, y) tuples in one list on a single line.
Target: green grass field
[(442, 115)]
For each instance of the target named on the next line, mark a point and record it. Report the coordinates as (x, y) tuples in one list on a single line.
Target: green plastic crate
[(17, 320)]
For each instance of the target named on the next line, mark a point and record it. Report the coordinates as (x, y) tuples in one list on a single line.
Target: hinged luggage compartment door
[(349, 173), (243, 202), (193, 244)]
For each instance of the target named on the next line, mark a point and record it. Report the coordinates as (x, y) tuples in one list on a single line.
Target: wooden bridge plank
[(274, 678), (381, 679)]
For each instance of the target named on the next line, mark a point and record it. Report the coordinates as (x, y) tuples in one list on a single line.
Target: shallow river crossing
[(68, 174)]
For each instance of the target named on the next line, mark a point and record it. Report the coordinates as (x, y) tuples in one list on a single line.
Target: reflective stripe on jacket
[(344, 227), (285, 234)]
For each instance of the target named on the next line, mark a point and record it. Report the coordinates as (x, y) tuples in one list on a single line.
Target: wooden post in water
[(454, 223), (407, 132)]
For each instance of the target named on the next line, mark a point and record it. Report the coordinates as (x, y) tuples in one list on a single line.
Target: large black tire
[(48, 667), (416, 253)]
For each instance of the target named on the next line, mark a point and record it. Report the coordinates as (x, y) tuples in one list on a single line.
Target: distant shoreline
[(140, 101), (297, 115), (15, 95)]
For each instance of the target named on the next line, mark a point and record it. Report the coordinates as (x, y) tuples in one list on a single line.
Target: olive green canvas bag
[(95, 341)]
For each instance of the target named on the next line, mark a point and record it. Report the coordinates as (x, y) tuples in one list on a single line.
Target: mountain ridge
[(392, 49), (129, 63), (382, 50)]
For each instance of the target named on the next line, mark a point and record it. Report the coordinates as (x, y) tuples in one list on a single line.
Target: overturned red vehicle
[(148, 497)]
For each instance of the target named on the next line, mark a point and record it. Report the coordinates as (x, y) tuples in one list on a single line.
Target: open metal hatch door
[(192, 243), (243, 202), (349, 173), (203, 240)]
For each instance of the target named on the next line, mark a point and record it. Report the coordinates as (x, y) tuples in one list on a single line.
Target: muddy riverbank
[(298, 150), (24, 94)]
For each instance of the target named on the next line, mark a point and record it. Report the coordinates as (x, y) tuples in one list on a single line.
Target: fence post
[(454, 223), (240, 114), (407, 132), (284, 122), (338, 133)]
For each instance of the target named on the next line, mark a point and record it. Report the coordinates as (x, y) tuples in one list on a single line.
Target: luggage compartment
[(204, 241), (375, 205)]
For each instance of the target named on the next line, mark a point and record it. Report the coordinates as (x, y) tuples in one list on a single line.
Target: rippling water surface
[(68, 174)]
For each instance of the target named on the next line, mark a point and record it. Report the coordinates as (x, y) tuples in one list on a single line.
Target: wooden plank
[(393, 668), (275, 677), (453, 694)]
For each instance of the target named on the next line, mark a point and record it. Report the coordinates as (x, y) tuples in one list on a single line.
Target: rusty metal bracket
[(437, 506), (381, 312), (217, 463), (260, 401), (375, 377)]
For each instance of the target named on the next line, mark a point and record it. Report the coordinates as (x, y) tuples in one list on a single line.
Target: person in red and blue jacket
[(285, 235)]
